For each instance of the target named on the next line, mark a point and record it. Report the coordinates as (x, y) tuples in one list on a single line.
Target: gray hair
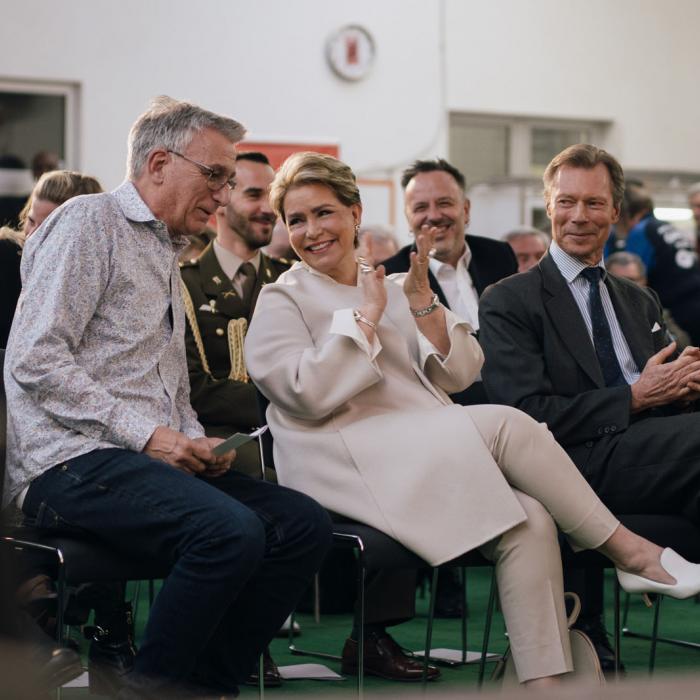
[(171, 124), (694, 189), (522, 231), (622, 258)]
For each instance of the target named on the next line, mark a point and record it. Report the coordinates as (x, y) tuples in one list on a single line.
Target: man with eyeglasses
[(101, 434)]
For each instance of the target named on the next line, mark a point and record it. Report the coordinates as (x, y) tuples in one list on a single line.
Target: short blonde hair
[(308, 168), (58, 186)]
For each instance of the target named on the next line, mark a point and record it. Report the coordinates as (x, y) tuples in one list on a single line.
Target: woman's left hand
[(416, 285)]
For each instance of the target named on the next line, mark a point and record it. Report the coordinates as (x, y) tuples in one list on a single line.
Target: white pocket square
[(656, 327), (205, 307)]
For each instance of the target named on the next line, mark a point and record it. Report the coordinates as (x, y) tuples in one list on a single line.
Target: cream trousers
[(528, 562)]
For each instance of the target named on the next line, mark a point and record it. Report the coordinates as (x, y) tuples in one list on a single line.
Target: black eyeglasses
[(215, 178)]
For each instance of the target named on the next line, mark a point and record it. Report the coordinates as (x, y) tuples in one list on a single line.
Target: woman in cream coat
[(358, 370)]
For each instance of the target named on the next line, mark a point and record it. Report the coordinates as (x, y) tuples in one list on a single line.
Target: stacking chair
[(72, 558), (374, 550)]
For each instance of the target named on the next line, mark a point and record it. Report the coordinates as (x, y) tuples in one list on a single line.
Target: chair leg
[(625, 614), (361, 576), (654, 634), (429, 627), (317, 599), (261, 677), (487, 629), (463, 579), (616, 632)]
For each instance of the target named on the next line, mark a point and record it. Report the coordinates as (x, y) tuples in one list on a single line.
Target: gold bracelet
[(361, 319)]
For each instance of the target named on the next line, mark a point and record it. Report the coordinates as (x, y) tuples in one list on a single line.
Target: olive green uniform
[(220, 391)]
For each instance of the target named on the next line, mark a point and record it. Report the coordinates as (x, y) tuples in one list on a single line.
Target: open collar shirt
[(96, 355), (458, 287)]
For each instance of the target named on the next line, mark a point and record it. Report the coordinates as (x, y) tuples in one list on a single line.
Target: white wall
[(262, 61), (633, 62)]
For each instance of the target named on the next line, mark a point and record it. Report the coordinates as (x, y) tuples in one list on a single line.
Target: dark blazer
[(10, 285), (491, 261), (540, 359)]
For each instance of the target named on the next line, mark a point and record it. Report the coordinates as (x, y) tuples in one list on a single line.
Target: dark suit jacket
[(10, 285), (540, 359), (491, 261)]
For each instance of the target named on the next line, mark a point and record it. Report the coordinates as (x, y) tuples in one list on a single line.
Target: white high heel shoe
[(686, 573)]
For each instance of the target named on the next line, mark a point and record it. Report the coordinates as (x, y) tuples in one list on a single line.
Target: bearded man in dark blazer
[(461, 267), (588, 353)]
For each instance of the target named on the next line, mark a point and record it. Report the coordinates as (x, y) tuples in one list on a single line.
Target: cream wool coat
[(369, 431)]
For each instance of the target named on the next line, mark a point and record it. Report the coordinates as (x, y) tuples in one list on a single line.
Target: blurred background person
[(694, 204), (44, 162), (279, 246), (10, 282), (15, 186), (377, 243), (631, 267), (668, 253), (51, 190), (529, 245)]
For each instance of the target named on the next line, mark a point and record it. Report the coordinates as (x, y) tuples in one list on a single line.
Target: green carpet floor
[(679, 619)]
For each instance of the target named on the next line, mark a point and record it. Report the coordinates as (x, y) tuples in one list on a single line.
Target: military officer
[(220, 289)]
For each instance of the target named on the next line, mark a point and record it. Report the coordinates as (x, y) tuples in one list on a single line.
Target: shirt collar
[(464, 261), (569, 266), (135, 209), (132, 204), (230, 262)]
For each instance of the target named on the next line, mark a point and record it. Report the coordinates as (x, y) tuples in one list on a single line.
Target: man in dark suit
[(588, 353), (461, 266)]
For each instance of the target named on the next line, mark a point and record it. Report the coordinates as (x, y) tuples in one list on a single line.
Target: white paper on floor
[(316, 672), (80, 682), (455, 655)]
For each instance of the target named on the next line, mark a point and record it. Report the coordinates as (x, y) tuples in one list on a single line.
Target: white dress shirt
[(458, 287)]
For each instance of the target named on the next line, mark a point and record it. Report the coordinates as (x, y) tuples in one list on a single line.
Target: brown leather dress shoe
[(271, 674), (386, 659)]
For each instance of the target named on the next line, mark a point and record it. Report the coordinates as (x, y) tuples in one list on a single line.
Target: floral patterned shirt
[(96, 355)]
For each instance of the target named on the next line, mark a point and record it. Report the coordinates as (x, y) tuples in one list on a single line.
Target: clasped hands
[(190, 455), (662, 383)]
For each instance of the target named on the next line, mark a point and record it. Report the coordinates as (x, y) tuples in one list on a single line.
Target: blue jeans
[(242, 551)]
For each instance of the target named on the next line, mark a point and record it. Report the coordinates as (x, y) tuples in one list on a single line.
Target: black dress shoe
[(112, 652), (271, 674), (386, 659), (595, 629)]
